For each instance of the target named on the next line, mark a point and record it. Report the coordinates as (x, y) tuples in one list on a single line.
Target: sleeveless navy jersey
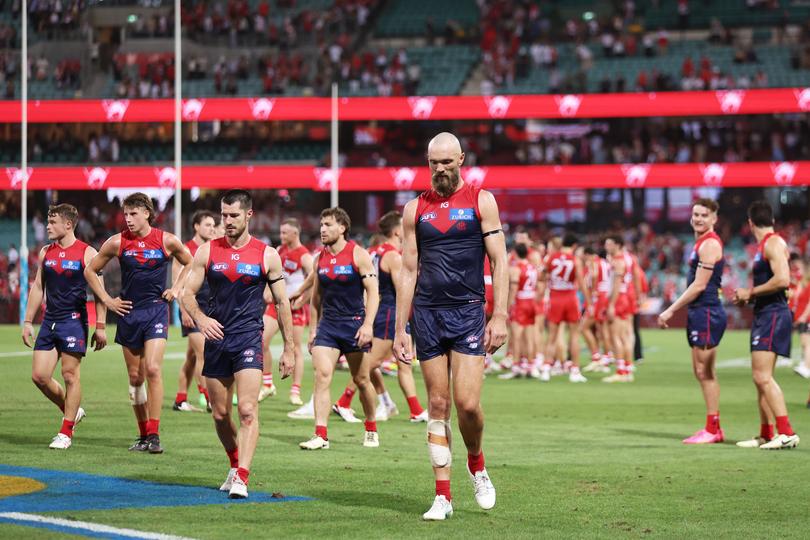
[(204, 292), (762, 273), (65, 286), (451, 249), (711, 295), (341, 285), (388, 293), (236, 278), (144, 268)]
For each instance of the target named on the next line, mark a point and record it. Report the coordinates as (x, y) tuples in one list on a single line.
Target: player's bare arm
[(371, 285), (514, 280), (35, 297), (407, 283), (275, 280), (495, 245), (185, 318), (618, 277), (709, 254), (776, 252), (314, 307), (92, 272), (175, 248), (210, 328), (99, 338)]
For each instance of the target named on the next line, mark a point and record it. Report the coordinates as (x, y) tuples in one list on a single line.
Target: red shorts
[(523, 312), (563, 306), (624, 306), (540, 308), (598, 310), (300, 316), (634, 307)]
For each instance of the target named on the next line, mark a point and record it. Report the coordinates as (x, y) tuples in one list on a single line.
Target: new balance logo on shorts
[(249, 354), (159, 328)]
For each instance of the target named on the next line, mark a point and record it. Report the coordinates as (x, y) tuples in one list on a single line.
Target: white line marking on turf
[(87, 526), (16, 354), (781, 362)]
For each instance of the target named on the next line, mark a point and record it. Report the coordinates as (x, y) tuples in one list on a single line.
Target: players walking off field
[(63, 333), (237, 269), (706, 318), (447, 232), (145, 254), (771, 329)]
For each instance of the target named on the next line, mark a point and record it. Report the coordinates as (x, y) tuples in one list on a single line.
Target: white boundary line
[(22, 519)]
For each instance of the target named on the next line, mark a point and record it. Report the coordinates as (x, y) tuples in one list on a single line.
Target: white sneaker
[(484, 490), (238, 489), (267, 391), (557, 369), (391, 410), (381, 413), (315, 443), (305, 412), (754, 442), (781, 442), (545, 373), (60, 442), (295, 399), (593, 366), (494, 367), (802, 371), (421, 417), (371, 439), (185, 406), (534, 372), (226, 485), (616, 378), (441, 509), (80, 414), (345, 413), (509, 375), (576, 377)]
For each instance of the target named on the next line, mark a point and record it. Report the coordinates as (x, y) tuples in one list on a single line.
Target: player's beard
[(445, 183), (235, 232), (330, 241)]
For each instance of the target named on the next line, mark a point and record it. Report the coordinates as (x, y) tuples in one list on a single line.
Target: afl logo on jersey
[(219, 267), (430, 216), (50, 262)]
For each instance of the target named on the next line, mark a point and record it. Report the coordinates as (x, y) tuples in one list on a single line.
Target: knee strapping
[(137, 394), (438, 434)]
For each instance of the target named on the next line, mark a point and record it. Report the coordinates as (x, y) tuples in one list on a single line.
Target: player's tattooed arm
[(99, 338), (35, 297), (92, 272), (275, 280), (495, 245), (406, 283), (182, 255), (210, 328)]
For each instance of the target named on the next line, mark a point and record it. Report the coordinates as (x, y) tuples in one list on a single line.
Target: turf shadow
[(655, 434), (384, 501)]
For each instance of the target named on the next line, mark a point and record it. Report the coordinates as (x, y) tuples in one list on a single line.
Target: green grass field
[(590, 460)]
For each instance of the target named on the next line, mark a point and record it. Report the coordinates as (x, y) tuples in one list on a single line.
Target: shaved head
[(445, 158)]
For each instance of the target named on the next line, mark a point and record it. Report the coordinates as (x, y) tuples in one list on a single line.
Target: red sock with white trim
[(267, 379), (295, 389)]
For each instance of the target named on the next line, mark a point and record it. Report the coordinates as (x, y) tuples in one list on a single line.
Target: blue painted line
[(66, 530), (80, 491)]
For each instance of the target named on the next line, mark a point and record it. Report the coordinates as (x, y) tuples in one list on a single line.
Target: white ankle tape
[(137, 394), (438, 435)]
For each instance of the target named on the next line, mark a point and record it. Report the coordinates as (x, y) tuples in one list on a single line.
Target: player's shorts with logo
[(705, 326), (563, 307), (142, 324), (340, 334), (523, 312), (68, 335), (438, 331), (771, 330), (234, 353), (300, 316)]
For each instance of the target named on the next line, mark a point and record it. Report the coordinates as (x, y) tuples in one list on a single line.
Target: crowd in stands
[(144, 75)]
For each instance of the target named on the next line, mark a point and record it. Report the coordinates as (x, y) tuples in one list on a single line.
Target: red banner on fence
[(755, 174), (625, 105)]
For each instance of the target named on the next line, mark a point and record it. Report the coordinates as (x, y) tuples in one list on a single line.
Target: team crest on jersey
[(344, 270), (71, 265), (462, 214), (245, 269), (430, 216)]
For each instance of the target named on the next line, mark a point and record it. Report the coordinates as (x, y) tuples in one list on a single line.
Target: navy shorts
[(438, 331), (384, 322), (142, 324), (705, 326), (186, 330), (771, 330), (234, 353), (339, 334), (68, 336)]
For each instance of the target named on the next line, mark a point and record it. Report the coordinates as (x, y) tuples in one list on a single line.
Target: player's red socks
[(443, 488), (475, 463), (622, 367), (204, 391), (766, 431), (320, 431), (345, 400), (243, 474), (415, 406), (371, 426), (67, 427), (233, 457), (783, 425), (267, 379), (295, 389), (180, 397), (713, 423), (142, 428), (153, 426)]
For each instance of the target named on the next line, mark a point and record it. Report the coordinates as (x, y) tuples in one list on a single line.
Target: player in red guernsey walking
[(594, 325), (522, 294), (564, 275), (447, 231), (63, 333), (204, 223), (625, 287), (296, 263), (237, 268), (145, 254)]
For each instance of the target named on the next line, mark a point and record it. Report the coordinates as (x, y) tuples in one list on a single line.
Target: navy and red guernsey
[(388, 293), (203, 294), (711, 295), (762, 274), (341, 284), (451, 249), (65, 286), (144, 268), (237, 278)]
